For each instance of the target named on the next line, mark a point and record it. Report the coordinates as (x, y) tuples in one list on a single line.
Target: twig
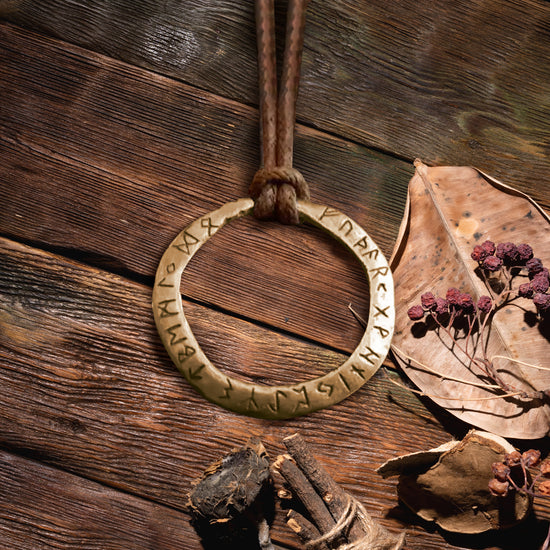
[(519, 362), (332, 494), (444, 376), (431, 396), (304, 528), (350, 526), (302, 489)]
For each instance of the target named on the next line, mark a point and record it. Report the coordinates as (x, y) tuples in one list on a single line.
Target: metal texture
[(273, 402)]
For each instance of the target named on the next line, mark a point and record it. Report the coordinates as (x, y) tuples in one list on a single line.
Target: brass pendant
[(274, 402)]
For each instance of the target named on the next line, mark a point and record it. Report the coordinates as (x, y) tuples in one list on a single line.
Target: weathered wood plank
[(43, 507), (109, 163), (455, 82), (87, 387)]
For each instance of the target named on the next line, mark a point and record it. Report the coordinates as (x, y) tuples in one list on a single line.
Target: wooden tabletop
[(121, 123)]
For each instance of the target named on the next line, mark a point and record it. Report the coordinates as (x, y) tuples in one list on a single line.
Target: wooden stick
[(304, 528), (332, 494), (363, 529), (303, 490)]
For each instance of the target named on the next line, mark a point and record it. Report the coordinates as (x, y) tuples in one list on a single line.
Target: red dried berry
[(534, 265), (453, 296), (466, 303), (531, 457), (544, 487), (442, 306), (500, 471), (507, 252), (525, 290), (428, 301), (415, 313), (540, 283), (484, 304), (525, 252), (492, 263), (542, 301), (478, 254), (488, 247), (498, 488), (545, 467), (512, 459)]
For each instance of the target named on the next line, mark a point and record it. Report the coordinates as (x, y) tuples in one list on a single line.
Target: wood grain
[(141, 119), (108, 163), (454, 82), (88, 387), (43, 507)]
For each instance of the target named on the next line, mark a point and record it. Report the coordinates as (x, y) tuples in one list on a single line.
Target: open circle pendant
[(274, 402)]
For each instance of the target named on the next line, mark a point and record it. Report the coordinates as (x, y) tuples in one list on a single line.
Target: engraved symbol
[(170, 268), (194, 374), (381, 311), (372, 254), (384, 332), (344, 381), (251, 402), (207, 222), (329, 212), (359, 371), (172, 332), (348, 224), (379, 271), (367, 356), (184, 354), (188, 240), (227, 389), (381, 286), (303, 402), (325, 388), (163, 307), (278, 394)]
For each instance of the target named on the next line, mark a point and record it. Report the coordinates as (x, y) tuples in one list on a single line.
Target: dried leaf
[(450, 210), (450, 487)]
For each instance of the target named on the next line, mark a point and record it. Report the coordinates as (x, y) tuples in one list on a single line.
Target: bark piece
[(452, 490), (230, 502)]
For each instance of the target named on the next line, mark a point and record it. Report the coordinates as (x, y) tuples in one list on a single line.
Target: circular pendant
[(274, 402)]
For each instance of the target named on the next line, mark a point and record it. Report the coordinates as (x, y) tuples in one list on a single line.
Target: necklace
[(278, 191)]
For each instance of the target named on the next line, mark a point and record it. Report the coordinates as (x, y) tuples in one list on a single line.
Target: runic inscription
[(273, 401), (184, 245)]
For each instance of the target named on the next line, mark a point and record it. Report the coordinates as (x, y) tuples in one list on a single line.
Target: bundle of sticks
[(336, 519)]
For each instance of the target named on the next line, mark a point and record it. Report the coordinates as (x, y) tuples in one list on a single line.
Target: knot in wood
[(275, 192)]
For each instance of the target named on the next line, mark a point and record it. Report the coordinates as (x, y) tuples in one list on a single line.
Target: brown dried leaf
[(450, 487), (450, 210)]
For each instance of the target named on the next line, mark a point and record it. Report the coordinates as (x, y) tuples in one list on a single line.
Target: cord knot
[(275, 192)]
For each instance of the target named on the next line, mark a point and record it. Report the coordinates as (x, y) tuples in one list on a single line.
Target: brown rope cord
[(374, 538), (277, 185)]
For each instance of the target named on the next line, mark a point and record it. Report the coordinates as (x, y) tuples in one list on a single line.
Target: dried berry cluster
[(516, 465), (455, 303), (511, 260), (466, 322), (506, 260)]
